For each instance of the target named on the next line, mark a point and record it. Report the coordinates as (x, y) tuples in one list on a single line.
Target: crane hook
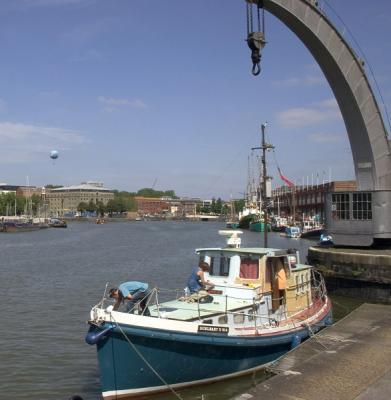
[(256, 42)]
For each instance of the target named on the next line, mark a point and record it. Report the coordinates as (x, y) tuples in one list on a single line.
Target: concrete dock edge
[(346, 361)]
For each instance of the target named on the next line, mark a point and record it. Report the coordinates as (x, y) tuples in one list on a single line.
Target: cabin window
[(249, 268), (239, 318), (223, 319), (207, 321), (219, 266)]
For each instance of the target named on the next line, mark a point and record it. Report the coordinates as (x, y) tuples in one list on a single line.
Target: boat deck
[(186, 310)]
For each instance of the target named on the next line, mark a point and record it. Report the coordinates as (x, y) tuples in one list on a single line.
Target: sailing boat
[(232, 222), (252, 205), (258, 225)]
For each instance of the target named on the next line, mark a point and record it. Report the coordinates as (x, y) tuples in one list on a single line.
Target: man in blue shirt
[(197, 281), (133, 292)]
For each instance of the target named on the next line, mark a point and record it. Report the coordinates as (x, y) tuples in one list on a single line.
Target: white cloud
[(309, 80), (322, 137), (329, 103), (112, 104), (25, 142), (300, 117), (88, 32)]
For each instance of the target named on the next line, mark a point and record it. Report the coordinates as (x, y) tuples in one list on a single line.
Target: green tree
[(148, 192), (91, 206), (82, 207), (100, 208), (239, 205), (10, 204), (125, 201), (112, 206), (36, 202)]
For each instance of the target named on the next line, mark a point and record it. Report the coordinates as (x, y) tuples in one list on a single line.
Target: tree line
[(123, 201), (10, 204)]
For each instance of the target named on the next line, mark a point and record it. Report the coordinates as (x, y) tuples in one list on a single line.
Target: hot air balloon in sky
[(54, 154)]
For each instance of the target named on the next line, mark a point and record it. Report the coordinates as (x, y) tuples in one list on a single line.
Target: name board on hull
[(213, 329)]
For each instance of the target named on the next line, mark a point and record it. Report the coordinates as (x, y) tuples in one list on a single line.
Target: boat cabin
[(274, 276)]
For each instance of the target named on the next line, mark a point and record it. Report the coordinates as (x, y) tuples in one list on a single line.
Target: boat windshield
[(219, 264)]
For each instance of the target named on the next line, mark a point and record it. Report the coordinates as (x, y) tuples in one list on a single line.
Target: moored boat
[(293, 232), (18, 225), (258, 226), (263, 303), (57, 223), (311, 229)]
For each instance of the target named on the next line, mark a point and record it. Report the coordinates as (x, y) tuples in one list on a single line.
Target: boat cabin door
[(275, 279)]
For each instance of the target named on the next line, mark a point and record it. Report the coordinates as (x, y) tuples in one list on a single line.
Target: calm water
[(51, 278)]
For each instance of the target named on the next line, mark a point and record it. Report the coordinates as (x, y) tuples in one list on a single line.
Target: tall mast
[(264, 182)]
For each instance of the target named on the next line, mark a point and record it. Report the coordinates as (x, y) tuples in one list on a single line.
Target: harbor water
[(51, 278)]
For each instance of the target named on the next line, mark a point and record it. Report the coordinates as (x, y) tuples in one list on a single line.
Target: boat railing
[(319, 290), (155, 299)]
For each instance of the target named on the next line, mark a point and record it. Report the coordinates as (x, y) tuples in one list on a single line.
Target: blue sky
[(133, 91)]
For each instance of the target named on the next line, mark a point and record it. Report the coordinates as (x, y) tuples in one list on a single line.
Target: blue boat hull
[(183, 359)]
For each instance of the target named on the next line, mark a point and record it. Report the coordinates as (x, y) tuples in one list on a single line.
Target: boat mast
[(264, 182)]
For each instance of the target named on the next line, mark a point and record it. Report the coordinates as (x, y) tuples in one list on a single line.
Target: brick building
[(306, 200), (166, 206), (151, 205)]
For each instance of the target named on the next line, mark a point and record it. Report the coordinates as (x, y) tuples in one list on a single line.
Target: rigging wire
[(365, 59)]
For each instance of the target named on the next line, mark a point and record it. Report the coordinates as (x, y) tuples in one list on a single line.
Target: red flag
[(286, 180)]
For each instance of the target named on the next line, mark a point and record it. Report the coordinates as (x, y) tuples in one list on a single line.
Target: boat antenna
[(255, 39), (265, 183)]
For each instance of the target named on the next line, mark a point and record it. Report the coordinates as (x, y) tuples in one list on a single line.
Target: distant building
[(151, 205), (307, 201), (166, 206), (29, 191), (4, 188), (189, 206), (21, 191), (67, 199)]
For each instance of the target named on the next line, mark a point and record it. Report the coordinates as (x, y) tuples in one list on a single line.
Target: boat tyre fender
[(95, 336), (295, 341)]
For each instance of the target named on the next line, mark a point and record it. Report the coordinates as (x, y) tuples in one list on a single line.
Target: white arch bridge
[(362, 217)]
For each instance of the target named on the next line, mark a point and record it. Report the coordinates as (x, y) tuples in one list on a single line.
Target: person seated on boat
[(197, 281), (135, 293)]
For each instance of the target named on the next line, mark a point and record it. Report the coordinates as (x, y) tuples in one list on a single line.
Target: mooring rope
[(145, 360)]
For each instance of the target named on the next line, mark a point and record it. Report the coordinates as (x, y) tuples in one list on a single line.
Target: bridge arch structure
[(371, 149)]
